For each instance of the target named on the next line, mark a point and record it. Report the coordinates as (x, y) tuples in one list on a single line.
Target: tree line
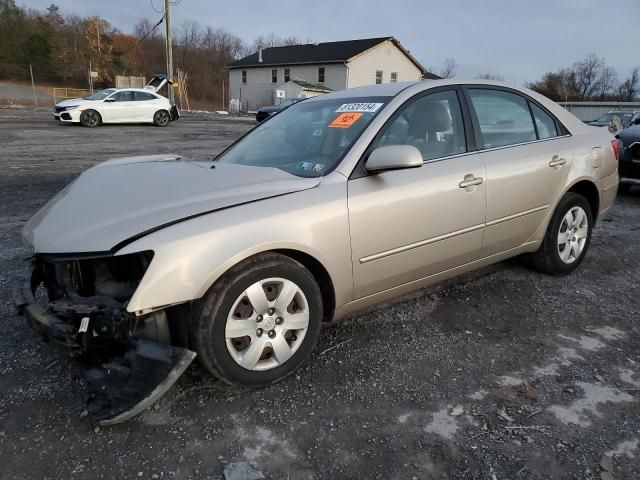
[(588, 79), (61, 48)]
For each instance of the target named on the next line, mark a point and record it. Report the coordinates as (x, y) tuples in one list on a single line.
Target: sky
[(516, 39)]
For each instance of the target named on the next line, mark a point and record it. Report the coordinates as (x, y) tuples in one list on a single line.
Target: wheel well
[(322, 277), (589, 191)]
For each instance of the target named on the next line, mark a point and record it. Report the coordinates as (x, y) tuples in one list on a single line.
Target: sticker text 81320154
[(359, 107)]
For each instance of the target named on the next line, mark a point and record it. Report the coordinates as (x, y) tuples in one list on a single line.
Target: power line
[(144, 37), (150, 31)]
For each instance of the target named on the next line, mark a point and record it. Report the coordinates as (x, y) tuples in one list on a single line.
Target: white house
[(254, 79)]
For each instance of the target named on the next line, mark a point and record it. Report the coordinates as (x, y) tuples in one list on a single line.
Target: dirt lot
[(510, 374)]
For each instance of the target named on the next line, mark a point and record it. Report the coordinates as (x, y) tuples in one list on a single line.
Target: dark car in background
[(626, 118), (629, 168), (265, 112)]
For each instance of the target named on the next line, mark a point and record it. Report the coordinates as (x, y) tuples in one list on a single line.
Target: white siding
[(386, 57), (259, 91)]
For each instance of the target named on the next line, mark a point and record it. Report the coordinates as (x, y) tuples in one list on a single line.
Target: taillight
[(616, 144)]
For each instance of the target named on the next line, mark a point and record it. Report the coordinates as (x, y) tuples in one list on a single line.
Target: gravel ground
[(507, 373)]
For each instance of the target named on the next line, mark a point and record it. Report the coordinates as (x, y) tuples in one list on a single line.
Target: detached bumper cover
[(124, 386)]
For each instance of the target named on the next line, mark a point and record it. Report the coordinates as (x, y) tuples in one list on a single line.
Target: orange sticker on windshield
[(345, 120)]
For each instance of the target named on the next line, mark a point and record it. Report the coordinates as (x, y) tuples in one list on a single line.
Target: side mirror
[(393, 157), (109, 100), (636, 121)]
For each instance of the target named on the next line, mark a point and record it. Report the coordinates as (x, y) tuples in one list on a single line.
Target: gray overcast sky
[(517, 39)]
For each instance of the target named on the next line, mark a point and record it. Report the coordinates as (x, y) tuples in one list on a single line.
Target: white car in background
[(124, 105)]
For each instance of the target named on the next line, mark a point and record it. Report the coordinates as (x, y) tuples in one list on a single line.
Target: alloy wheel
[(162, 118), (267, 324), (573, 233), (92, 118)]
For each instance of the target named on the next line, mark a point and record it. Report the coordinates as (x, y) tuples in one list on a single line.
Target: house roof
[(316, 87), (327, 52), (431, 76)]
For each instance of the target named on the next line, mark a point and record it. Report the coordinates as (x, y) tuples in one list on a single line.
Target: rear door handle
[(470, 181), (557, 161)]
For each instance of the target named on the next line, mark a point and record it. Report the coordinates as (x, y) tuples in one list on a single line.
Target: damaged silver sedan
[(337, 203)]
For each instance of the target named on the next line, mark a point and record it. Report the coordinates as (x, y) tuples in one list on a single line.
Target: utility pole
[(33, 87), (169, 47), (98, 34)]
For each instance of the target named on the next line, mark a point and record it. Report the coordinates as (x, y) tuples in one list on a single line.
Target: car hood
[(74, 102), (128, 197)]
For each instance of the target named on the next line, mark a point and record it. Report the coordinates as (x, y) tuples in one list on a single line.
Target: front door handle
[(470, 181), (557, 161)]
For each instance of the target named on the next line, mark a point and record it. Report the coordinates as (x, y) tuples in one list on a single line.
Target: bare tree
[(607, 79), (628, 89), (449, 69), (273, 40), (558, 86), (587, 72)]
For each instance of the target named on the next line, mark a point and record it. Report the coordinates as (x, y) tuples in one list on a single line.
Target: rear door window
[(142, 96), (504, 118)]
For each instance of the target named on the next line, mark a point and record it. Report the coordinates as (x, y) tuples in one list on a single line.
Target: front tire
[(567, 238), (259, 322), (161, 118), (90, 118)]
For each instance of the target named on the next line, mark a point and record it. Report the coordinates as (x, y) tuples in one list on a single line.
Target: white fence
[(591, 110)]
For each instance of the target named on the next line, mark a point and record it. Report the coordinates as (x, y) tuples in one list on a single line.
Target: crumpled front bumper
[(125, 385)]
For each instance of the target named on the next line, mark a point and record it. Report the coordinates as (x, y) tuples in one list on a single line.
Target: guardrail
[(60, 94)]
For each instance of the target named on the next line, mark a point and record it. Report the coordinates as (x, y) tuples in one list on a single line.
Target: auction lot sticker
[(345, 120), (359, 107)]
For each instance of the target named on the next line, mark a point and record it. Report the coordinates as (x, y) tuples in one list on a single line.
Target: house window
[(244, 76), (287, 74), (394, 77), (274, 76), (321, 74), (378, 77)]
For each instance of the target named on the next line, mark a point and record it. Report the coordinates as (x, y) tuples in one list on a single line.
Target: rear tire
[(567, 238), (247, 332), (90, 118), (161, 118)]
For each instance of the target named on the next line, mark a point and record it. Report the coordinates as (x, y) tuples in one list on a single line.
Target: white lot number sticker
[(359, 107)]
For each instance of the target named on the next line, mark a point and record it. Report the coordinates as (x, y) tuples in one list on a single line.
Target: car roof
[(131, 90), (393, 89)]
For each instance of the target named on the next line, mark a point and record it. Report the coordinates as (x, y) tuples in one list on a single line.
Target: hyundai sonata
[(338, 202)]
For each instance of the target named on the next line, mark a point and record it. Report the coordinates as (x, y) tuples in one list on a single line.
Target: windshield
[(101, 95), (307, 139)]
